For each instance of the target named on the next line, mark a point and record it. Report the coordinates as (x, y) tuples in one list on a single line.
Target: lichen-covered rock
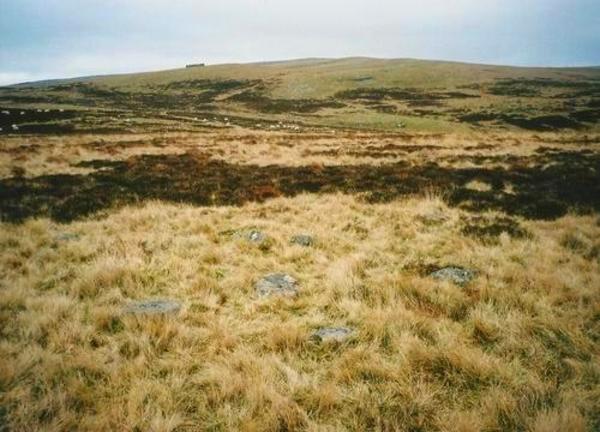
[(458, 275), (433, 218), (332, 334), (154, 307), (302, 240), (255, 236), (252, 235), (277, 284), (67, 236)]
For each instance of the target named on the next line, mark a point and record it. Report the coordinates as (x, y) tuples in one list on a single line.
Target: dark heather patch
[(35, 121), (207, 84), (533, 87), (588, 116), (545, 186), (262, 103), (411, 97), (539, 123), (490, 228)]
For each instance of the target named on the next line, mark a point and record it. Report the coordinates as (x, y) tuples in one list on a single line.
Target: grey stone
[(277, 284), (255, 236), (458, 275), (154, 307), (332, 334), (435, 218), (302, 240), (67, 236)]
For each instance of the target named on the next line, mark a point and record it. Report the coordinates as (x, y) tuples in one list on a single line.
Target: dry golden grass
[(517, 349), (35, 156)]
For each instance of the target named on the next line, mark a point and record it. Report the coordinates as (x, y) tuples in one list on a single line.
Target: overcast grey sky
[(42, 39)]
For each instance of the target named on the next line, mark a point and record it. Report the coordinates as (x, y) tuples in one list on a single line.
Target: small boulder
[(277, 284), (457, 275), (67, 236), (154, 307), (252, 235), (332, 334), (433, 218), (255, 236), (302, 240)]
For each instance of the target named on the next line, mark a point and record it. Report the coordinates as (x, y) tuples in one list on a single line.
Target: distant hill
[(349, 92)]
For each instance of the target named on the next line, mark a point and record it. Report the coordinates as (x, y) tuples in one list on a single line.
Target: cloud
[(58, 38)]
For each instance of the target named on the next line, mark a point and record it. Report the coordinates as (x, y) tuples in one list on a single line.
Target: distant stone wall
[(195, 65)]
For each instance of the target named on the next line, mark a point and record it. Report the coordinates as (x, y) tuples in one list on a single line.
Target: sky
[(43, 39)]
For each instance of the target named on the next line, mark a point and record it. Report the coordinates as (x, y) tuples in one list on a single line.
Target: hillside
[(316, 245), (354, 93)]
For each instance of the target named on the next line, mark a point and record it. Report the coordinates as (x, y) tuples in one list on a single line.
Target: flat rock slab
[(435, 218), (67, 236), (255, 236), (252, 235), (332, 334), (154, 307), (277, 284), (458, 275), (302, 240)]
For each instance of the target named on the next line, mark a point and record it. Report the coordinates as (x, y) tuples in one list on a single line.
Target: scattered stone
[(303, 240), (256, 236), (277, 284), (154, 307), (458, 275), (332, 334), (252, 235), (5, 112), (434, 218), (67, 236), (15, 127)]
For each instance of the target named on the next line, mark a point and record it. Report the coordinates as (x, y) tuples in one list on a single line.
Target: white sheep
[(6, 112), (15, 127)]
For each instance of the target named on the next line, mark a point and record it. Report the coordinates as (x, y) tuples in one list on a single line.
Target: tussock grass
[(516, 349)]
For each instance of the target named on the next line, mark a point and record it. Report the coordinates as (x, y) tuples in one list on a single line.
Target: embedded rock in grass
[(302, 240), (154, 307), (434, 218), (458, 275), (332, 334), (67, 236), (255, 236), (277, 284)]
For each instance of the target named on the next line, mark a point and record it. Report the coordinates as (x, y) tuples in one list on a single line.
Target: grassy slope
[(514, 350), (320, 78), (298, 82)]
